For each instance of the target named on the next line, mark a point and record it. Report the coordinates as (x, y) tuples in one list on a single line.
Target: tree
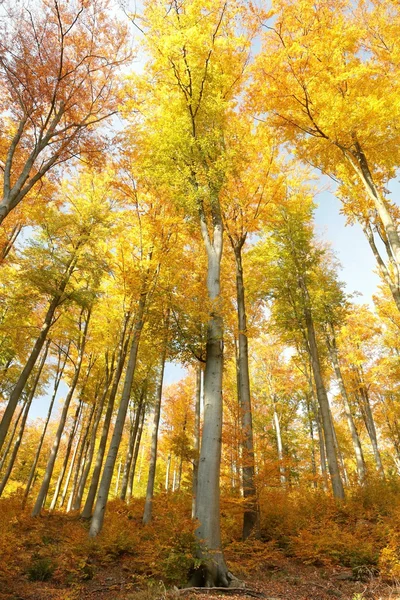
[(58, 80)]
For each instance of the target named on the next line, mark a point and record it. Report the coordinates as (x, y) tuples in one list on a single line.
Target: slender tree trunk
[(57, 380), (311, 429), (83, 447), (332, 347), (12, 436), (167, 475), (135, 456), (60, 479), (131, 447), (333, 465), (196, 443), (339, 454), (53, 454), (88, 462), (250, 517), (118, 477), (9, 244), (370, 425), (279, 445), (104, 487), (30, 364), (154, 438), (87, 510), (23, 422)]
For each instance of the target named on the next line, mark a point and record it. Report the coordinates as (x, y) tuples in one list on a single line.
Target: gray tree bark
[(333, 465), (131, 447), (279, 445), (154, 437), (23, 422), (53, 454), (135, 456), (104, 487), (89, 458), (57, 380), (196, 442), (332, 347), (208, 491), (71, 437), (123, 345), (30, 364), (250, 517)]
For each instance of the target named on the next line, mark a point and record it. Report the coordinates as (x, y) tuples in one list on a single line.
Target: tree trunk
[(88, 462), (196, 442), (87, 510), (81, 457), (154, 438), (215, 572), (331, 342), (104, 487), (53, 454), (250, 517), (12, 436), (118, 477), (279, 445), (131, 447), (60, 479), (311, 429), (336, 480), (167, 476), (135, 456), (30, 364), (370, 424), (23, 422), (57, 380)]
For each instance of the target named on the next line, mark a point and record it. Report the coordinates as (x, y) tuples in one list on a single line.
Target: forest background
[(193, 388)]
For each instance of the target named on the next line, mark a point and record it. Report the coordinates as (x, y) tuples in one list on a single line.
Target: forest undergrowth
[(309, 546)]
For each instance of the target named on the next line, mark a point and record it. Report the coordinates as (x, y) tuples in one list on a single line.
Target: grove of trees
[(164, 212)]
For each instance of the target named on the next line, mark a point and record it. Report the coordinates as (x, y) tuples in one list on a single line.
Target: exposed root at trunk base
[(213, 573), (221, 590)]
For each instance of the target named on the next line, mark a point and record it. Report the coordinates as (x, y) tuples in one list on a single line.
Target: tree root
[(219, 590)]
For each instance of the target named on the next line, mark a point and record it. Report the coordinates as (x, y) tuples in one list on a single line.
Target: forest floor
[(289, 580), (309, 548)]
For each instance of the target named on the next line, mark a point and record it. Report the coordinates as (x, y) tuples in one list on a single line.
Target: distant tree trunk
[(332, 347), (340, 455), (30, 364), (369, 422), (333, 465), (250, 516), (167, 474), (23, 422), (279, 445), (88, 462), (81, 456), (311, 429), (196, 442), (67, 453), (53, 454), (118, 477), (135, 455), (57, 380), (131, 446), (12, 435), (104, 487), (154, 438), (124, 341)]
